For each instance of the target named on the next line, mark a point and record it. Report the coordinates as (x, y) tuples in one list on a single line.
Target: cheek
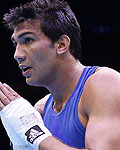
[(40, 59), (42, 56), (43, 50), (42, 63), (45, 53), (36, 56)]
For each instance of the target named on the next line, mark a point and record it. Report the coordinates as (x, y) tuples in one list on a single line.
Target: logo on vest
[(33, 133)]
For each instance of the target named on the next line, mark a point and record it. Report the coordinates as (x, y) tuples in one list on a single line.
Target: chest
[(66, 124)]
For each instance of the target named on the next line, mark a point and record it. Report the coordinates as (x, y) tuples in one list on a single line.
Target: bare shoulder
[(39, 106), (101, 103), (103, 86), (105, 79), (104, 73)]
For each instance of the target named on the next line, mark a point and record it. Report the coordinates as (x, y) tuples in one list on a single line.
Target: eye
[(27, 40)]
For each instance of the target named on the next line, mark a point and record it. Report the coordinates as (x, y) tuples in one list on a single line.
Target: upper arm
[(39, 106), (103, 110)]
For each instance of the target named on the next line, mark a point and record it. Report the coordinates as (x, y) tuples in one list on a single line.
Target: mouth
[(25, 70)]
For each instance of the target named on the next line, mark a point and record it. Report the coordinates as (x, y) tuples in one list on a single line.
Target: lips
[(25, 70)]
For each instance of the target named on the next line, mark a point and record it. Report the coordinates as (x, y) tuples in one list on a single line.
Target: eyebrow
[(21, 35)]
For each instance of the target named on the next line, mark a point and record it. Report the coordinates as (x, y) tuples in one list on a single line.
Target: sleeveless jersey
[(66, 125)]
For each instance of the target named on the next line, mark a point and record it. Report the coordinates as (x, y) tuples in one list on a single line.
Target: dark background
[(100, 25)]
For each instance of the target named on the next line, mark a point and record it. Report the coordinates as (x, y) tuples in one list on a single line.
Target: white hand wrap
[(18, 143), (25, 121)]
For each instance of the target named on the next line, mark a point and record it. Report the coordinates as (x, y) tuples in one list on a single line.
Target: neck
[(65, 84)]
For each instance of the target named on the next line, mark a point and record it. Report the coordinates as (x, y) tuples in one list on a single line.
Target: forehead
[(26, 27)]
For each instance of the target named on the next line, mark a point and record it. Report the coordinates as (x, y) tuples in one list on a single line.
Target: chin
[(31, 82)]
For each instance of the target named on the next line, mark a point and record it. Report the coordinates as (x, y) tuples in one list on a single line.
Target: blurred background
[(100, 25)]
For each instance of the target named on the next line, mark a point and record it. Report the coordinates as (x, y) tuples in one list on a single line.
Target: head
[(52, 20), (56, 19)]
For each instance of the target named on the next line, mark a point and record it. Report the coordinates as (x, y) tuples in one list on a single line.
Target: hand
[(22, 118), (18, 143), (7, 94)]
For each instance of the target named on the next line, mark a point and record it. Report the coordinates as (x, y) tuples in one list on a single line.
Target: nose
[(19, 55)]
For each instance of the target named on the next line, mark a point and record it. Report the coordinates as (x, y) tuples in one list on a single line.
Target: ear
[(63, 45)]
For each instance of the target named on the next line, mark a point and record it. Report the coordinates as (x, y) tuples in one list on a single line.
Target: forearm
[(24, 125), (52, 143)]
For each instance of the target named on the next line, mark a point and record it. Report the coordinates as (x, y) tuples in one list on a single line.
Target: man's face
[(35, 54)]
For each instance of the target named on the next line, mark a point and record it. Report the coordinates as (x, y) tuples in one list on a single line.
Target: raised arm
[(24, 124)]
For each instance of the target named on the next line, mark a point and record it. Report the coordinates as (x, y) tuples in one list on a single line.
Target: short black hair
[(56, 19)]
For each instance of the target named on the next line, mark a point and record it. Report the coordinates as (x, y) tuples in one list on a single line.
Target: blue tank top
[(66, 125)]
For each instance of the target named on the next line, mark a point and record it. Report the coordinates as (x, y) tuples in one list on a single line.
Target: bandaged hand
[(24, 120), (18, 143), (7, 95)]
